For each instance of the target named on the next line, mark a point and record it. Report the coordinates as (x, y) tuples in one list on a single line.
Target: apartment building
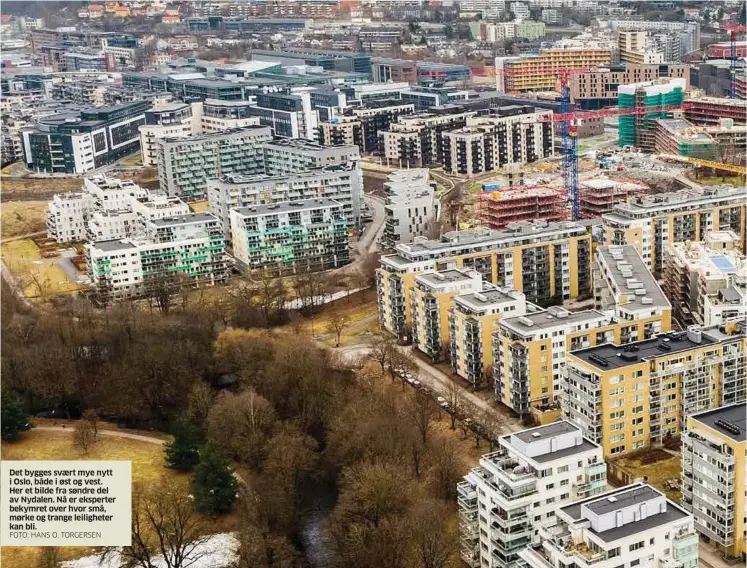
[(597, 88), (548, 262), (415, 141), (640, 129), (635, 525), (624, 284), (473, 318), (289, 115), (430, 303), (287, 156), (411, 206), (713, 476), (708, 111), (688, 33), (598, 195), (67, 216), (185, 164), (517, 489), (217, 115), (173, 120), (188, 250), (540, 72), (706, 284), (376, 117), (679, 137), (651, 222), (291, 237), (514, 135), (626, 398), (346, 130), (338, 182)]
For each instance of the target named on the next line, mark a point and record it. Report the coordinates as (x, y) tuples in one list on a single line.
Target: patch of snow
[(218, 551)]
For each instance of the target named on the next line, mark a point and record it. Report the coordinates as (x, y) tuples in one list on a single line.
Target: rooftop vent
[(480, 297), (729, 427), (536, 434), (526, 321), (598, 360), (646, 301), (664, 347), (612, 499)]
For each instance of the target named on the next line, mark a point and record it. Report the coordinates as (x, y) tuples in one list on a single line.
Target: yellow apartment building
[(627, 397), (430, 301), (473, 318), (651, 222), (547, 262), (713, 472)]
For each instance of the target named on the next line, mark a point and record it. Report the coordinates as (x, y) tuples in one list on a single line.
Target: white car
[(442, 402)]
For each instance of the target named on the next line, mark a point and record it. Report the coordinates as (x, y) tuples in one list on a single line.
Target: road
[(435, 380)]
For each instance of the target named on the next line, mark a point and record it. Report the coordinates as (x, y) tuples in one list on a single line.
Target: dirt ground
[(147, 467), (198, 206), (22, 217), (40, 277), (667, 466), (26, 189)]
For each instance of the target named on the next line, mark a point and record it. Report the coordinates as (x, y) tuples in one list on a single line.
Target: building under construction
[(682, 138), (710, 110), (598, 195), (496, 209), (651, 99)]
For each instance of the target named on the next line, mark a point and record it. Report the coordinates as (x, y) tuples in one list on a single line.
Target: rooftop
[(684, 131), (110, 246), (537, 443), (530, 324), (439, 279), (632, 278), (487, 297), (608, 356), (727, 420), (184, 219)]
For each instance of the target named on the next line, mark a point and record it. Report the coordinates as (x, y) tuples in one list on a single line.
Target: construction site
[(496, 209)]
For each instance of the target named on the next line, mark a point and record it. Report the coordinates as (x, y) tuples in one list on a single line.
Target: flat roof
[(547, 431), (184, 219), (285, 206), (550, 318), (109, 246), (444, 277), (616, 356), (485, 298), (624, 497), (628, 258), (727, 420)]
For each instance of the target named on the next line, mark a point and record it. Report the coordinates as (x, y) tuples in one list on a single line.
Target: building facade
[(411, 206), (172, 120)]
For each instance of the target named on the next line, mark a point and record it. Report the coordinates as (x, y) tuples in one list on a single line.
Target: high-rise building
[(291, 236), (713, 476), (548, 262), (185, 164), (287, 156), (626, 398), (651, 222), (289, 115), (173, 120), (517, 489)]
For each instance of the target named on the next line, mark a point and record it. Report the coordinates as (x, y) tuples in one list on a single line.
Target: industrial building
[(540, 72), (430, 301), (598, 195), (338, 182), (291, 237), (473, 319), (713, 476), (183, 251), (496, 209), (548, 262), (185, 164), (655, 97), (650, 222), (626, 398), (411, 206), (705, 281), (631, 525), (515, 490)]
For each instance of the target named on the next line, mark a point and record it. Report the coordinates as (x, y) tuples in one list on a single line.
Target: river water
[(320, 499)]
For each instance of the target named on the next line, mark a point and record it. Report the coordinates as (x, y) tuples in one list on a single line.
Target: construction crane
[(733, 31), (698, 162)]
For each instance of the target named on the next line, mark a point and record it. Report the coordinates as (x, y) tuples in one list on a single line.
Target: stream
[(321, 496)]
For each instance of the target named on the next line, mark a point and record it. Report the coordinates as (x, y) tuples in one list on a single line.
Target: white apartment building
[(339, 182), (635, 525), (624, 284), (706, 280), (288, 156), (215, 115), (520, 10), (291, 236), (518, 489), (411, 206), (188, 250), (67, 216), (172, 120)]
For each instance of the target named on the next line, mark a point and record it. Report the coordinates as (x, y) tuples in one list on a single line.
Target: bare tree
[(422, 412), (455, 398), (166, 525), (433, 539), (446, 467), (312, 289), (337, 324), (271, 297), (403, 363), (84, 435), (201, 397), (382, 351), (92, 417)]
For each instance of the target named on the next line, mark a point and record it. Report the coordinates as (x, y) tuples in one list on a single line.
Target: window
[(550, 486), (635, 562), (550, 501), (651, 541), (564, 496), (564, 482), (636, 546), (562, 469)]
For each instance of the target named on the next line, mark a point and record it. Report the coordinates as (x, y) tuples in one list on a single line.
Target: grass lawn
[(22, 217), (657, 472), (147, 467), (39, 277), (42, 184)]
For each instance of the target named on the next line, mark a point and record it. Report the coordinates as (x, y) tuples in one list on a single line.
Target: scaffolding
[(496, 209), (599, 195), (654, 99)]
